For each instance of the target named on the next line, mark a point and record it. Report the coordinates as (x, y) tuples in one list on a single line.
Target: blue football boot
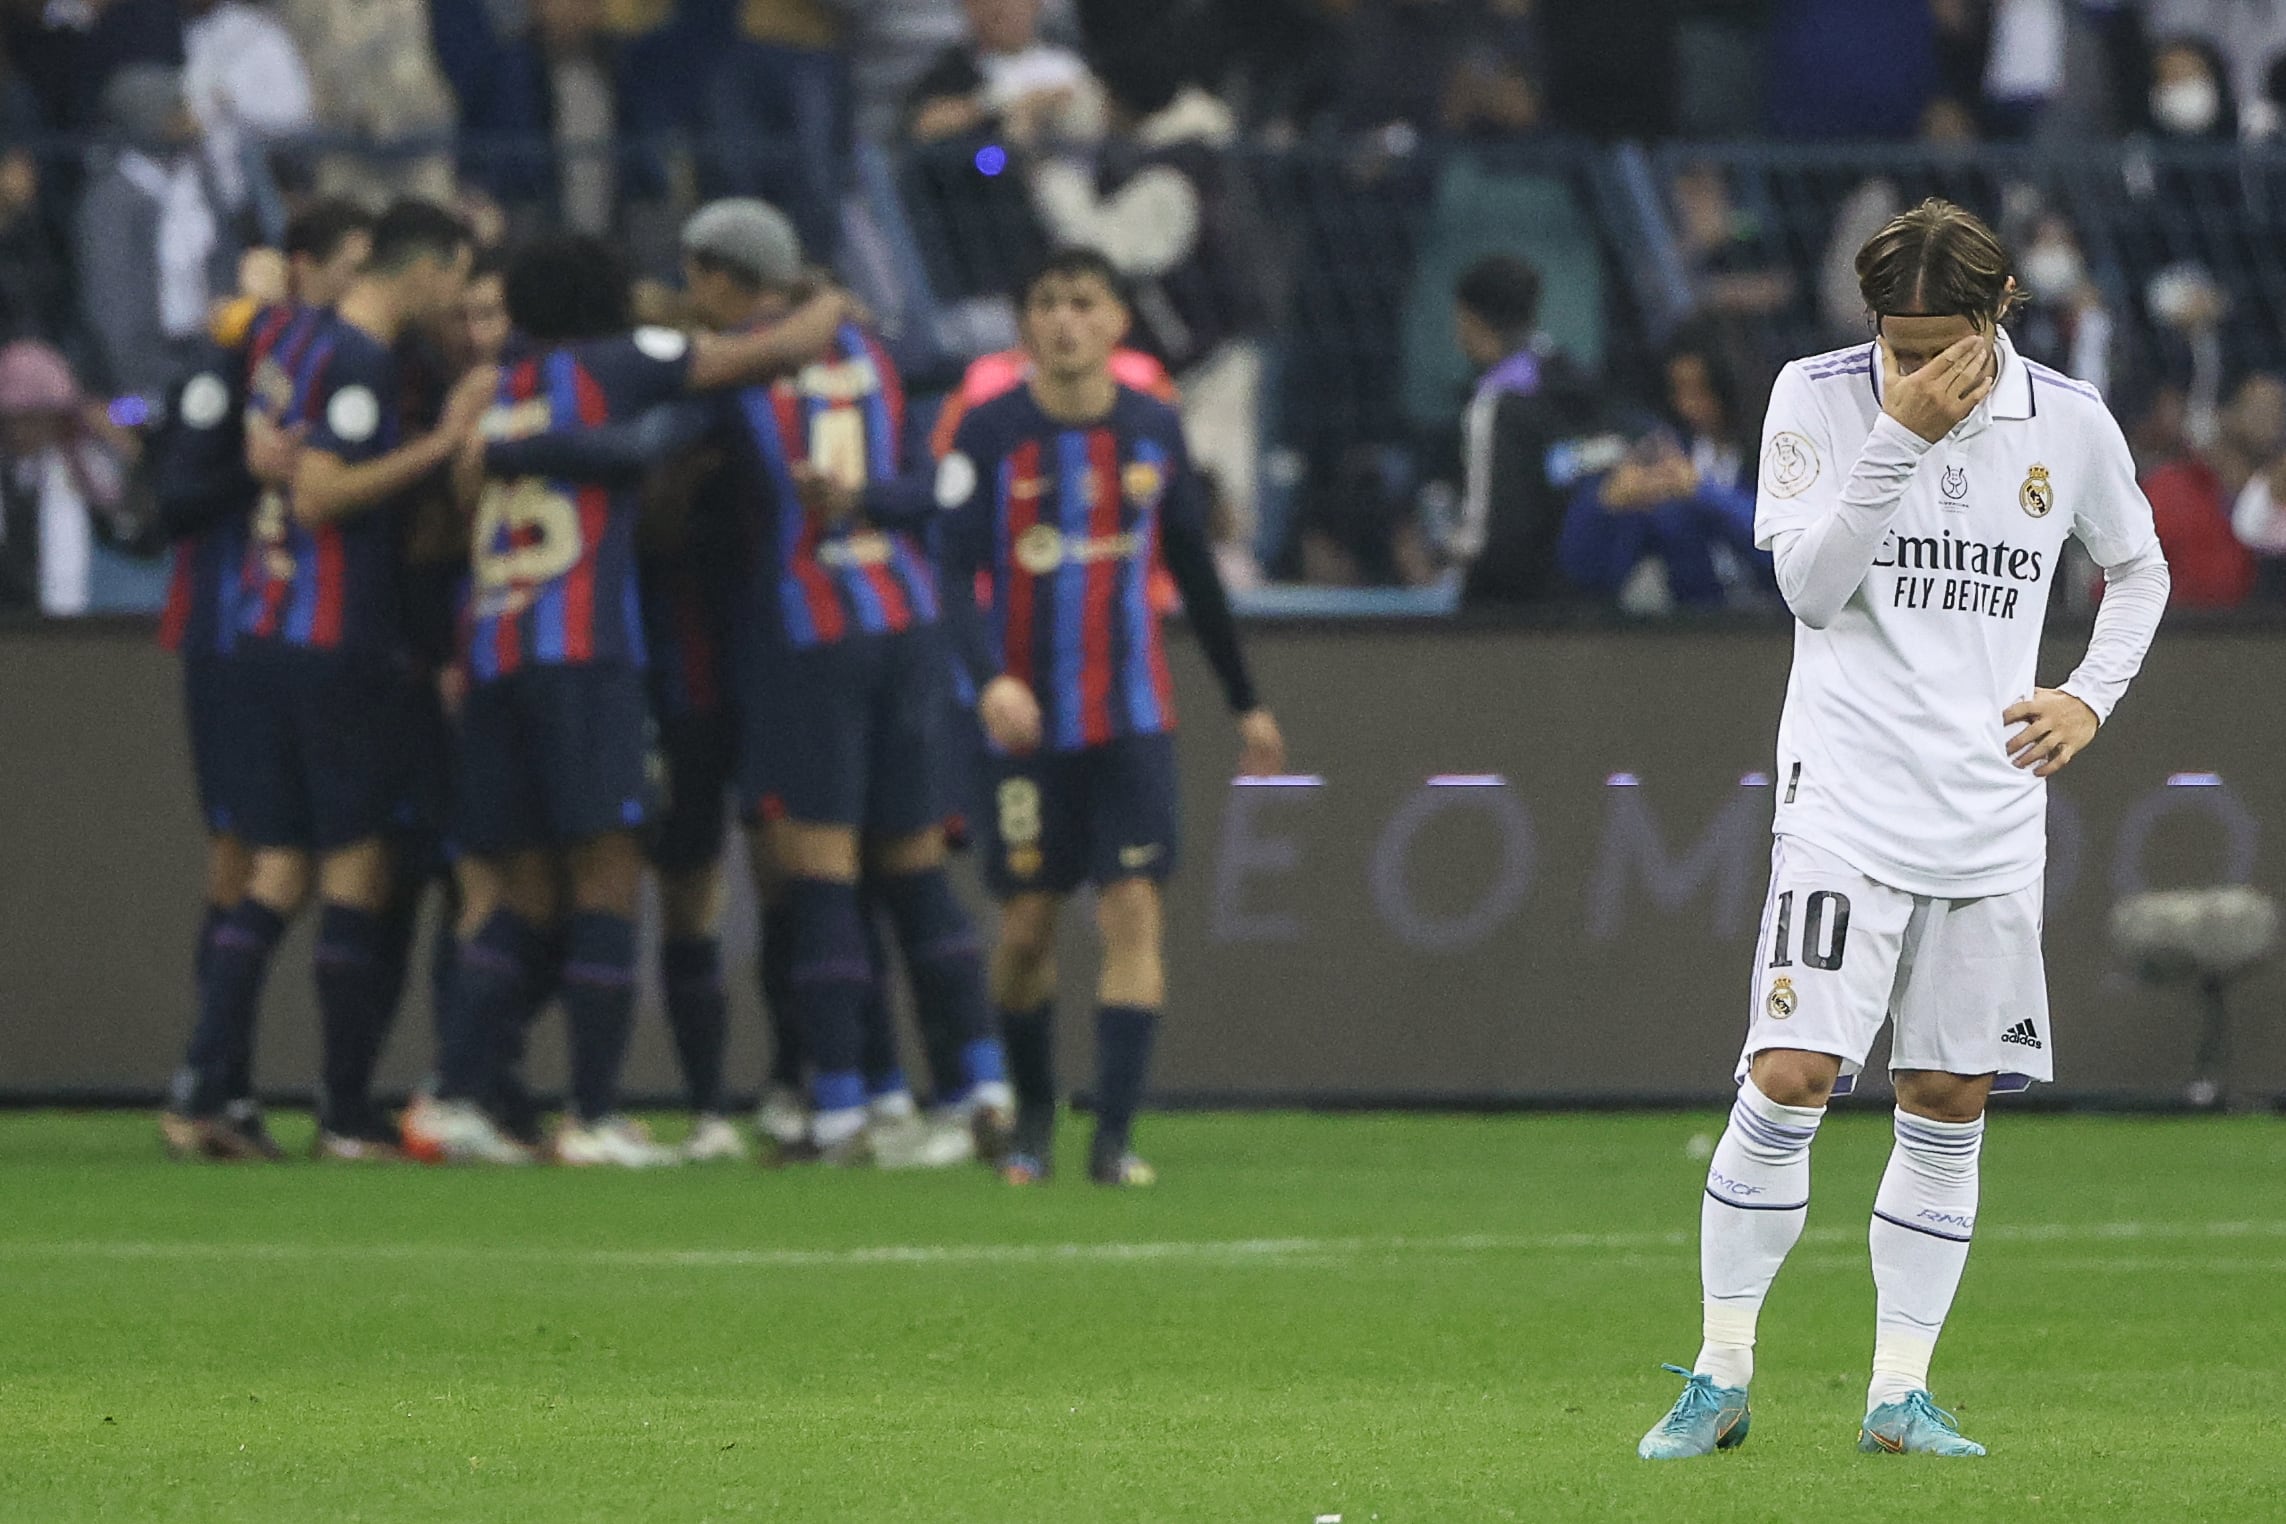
[(1706, 1418), (1913, 1425)]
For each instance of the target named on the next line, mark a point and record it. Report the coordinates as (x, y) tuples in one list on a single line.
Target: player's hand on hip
[(1941, 393), (1261, 748), (2056, 728), (1011, 715)]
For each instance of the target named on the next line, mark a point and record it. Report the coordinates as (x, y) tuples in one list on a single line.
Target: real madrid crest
[(2038, 494), (1781, 998)]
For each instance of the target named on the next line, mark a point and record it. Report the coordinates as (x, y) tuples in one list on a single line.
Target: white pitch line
[(1239, 1250)]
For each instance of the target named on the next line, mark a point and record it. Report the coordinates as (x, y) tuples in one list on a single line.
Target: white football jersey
[(1892, 751)]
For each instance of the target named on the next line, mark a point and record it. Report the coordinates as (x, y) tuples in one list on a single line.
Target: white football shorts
[(1840, 954)]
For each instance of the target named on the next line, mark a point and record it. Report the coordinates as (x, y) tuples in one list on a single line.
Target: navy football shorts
[(1057, 820), (211, 685), (316, 756), (698, 753), (849, 734), (552, 756)]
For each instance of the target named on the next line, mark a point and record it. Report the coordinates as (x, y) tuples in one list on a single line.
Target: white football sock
[(828, 1128), (1758, 1193), (1922, 1221)]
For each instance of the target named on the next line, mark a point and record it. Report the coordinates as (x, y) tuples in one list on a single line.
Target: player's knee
[(1127, 915), (1027, 932), (229, 864), (279, 878), (690, 902), (1942, 1097), (607, 873), (356, 876), (1792, 1077), (917, 853), (816, 851)]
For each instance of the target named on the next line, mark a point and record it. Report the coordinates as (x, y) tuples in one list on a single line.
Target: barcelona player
[(205, 496), (555, 748), (846, 667), (1062, 491), (318, 632)]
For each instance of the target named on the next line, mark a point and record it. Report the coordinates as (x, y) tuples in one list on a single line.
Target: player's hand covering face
[(2056, 728), (1930, 395)]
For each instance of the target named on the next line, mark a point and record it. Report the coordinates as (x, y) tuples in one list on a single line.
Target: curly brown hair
[(1937, 260)]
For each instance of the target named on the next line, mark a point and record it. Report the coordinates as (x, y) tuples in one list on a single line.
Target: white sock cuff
[(1774, 1132), (1959, 1142)]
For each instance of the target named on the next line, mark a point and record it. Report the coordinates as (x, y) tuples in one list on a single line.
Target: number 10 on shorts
[(1825, 930)]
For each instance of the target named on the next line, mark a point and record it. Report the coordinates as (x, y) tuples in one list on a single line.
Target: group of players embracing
[(481, 583)]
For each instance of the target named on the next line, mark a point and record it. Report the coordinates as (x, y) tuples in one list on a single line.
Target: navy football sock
[(1123, 1035), (939, 943), (511, 1101), (219, 1065), (787, 1060), (355, 1003), (490, 977), (876, 1022), (1031, 1039), (830, 979), (599, 1005), (210, 921), (692, 969)]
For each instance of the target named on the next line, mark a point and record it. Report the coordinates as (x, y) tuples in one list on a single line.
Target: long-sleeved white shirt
[(1919, 574)]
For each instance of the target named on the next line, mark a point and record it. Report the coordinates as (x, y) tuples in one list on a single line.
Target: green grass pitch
[(1385, 1318)]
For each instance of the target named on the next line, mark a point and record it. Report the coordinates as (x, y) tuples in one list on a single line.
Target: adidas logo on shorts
[(2023, 1035)]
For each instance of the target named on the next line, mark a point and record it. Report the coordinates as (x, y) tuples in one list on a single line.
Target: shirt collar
[(2011, 398)]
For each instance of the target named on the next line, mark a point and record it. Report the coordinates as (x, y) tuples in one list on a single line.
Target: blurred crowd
[(1303, 193)]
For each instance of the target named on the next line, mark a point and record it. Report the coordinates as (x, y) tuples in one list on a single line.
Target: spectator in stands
[(1528, 405), (69, 49), (2193, 497), (374, 77), (1672, 524), (58, 482), (31, 277), (1739, 288), (1168, 207), (152, 250), (560, 120), (2243, 41), (890, 45), (2065, 322), (775, 112), (247, 84), (2190, 93), (1003, 80), (1411, 68)]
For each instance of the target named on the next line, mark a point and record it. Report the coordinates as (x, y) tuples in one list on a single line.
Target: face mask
[(2054, 271), (2186, 106)]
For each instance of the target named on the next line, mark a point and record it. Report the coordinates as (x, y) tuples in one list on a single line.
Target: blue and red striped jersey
[(329, 587), (555, 580), (1066, 520), (204, 494), (843, 413)]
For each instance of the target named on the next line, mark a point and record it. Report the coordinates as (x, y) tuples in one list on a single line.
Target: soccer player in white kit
[(1916, 493)]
